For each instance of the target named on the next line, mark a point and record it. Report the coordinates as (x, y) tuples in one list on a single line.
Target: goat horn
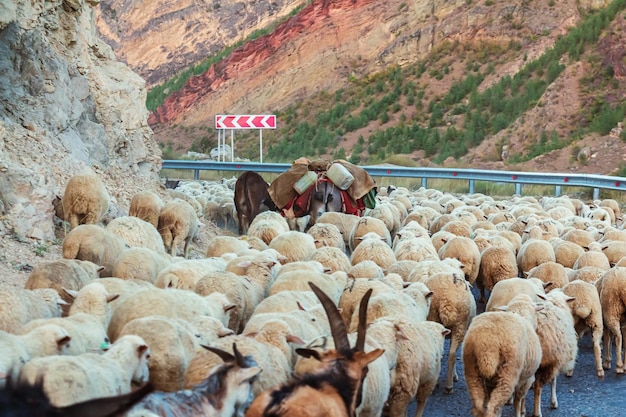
[(238, 357), (337, 325), (226, 357), (360, 338)]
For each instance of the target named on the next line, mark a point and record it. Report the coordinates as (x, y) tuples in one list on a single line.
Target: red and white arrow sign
[(245, 121)]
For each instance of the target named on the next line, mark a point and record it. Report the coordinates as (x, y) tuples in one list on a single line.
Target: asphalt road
[(582, 395)]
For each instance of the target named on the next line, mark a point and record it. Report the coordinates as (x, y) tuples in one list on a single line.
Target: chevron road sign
[(245, 121)]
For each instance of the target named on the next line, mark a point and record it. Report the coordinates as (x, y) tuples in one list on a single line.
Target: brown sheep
[(147, 206), (178, 222), (85, 201)]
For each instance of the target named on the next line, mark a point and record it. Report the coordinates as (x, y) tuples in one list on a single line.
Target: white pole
[(219, 133), (261, 145), (232, 145)]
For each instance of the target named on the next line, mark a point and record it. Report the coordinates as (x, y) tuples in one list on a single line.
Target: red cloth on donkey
[(300, 203)]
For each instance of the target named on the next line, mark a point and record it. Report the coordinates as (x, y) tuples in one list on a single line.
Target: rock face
[(159, 38), (67, 106), (329, 43)]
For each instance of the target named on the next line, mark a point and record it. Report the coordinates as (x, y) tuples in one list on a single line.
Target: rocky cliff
[(67, 106)]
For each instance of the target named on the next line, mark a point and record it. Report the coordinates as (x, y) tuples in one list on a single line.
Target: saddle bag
[(340, 176), (369, 199)]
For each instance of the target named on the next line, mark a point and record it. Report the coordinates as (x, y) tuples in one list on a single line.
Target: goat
[(22, 400), (334, 392), (226, 392)]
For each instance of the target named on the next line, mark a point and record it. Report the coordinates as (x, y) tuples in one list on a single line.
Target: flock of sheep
[(126, 304)]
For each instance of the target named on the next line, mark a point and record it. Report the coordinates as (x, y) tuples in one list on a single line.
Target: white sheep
[(291, 300), (612, 289), (373, 248), (586, 310), (147, 206), (71, 379), (355, 289), (501, 353), (366, 269), (19, 306), (505, 290), (89, 242), (534, 252), (343, 221), (178, 223), (294, 245), (332, 284), (173, 303), (453, 305), (332, 258), (551, 273), (588, 274), (140, 263), (431, 267), (16, 350), (559, 345), (465, 250), (136, 233), (71, 274), (566, 252), (592, 258), (366, 225), (220, 245), (496, 264), (267, 225), (85, 200), (327, 234), (184, 275)]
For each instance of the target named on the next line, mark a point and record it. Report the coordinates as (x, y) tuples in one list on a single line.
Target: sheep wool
[(178, 223), (85, 200), (147, 206), (89, 242), (71, 274)]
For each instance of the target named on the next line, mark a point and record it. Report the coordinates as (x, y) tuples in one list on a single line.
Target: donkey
[(251, 192), (335, 392)]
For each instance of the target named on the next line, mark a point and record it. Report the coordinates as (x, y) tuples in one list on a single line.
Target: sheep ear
[(502, 308), (539, 307), (62, 302), (359, 238), (569, 299), (142, 349), (65, 340), (229, 307), (543, 297), (428, 294), (70, 293), (327, 269), (446, 332), (251, 334), (112, 297), (295, 340), (245, 264), (525, 273), (400, 335), (547, 284), (309, 353), (100, 269)]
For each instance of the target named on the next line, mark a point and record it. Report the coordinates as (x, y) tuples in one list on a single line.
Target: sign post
[(243, 121)]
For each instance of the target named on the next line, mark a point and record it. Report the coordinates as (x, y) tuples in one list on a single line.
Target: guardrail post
[(596, 193), (557, 190), (424, 182), (196, 174), (472, 187), (518, 188)]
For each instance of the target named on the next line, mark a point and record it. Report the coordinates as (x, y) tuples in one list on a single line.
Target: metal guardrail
[(597, 182)]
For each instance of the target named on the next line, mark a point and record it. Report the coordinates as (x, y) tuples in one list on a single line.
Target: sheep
[(173, 303), (296, 246), (72, 274), (414, 249), (141, 264), (566, 252), (587, 313), (588, 274), (592, 259), (578, 236), (534, 252), (89, 242), (374, 248), (225, 392), (366, 225), (465, 250), (453, 305), (612, 287), (505, 290), (71, 379), (366, 269), (501, 354), (496, 264), (15, 350), (457, 228), (388, 214), (172, 347), (343, 221), (184, 275), (550, 273), (88, 318), (559, 345), (267, 225), (220, 245), (327, 234), (19, 306), (333, 284), (255, 242), (147, 206), (235, 288), (85, 201), (290, 300), (332, 258), (402, 268), (136, 232), (178, 222), (614, 250), (354, 291)]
